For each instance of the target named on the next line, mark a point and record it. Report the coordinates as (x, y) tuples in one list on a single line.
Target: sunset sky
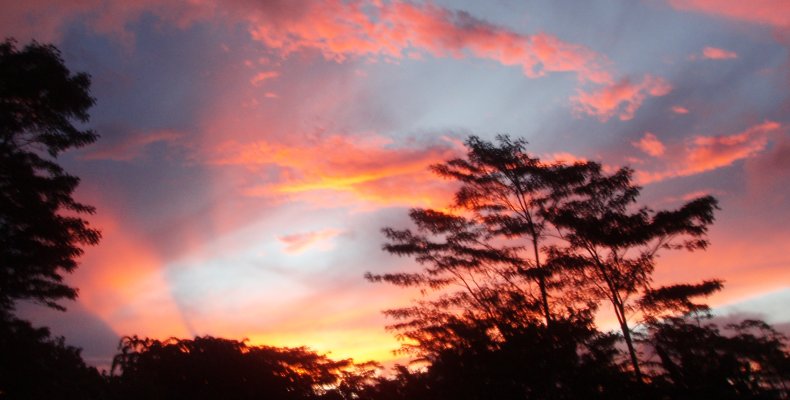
[(251, 151)]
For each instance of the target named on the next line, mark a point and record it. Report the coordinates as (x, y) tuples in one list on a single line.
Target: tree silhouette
[(41, 229), (572, 231), (34, 365), (698, 360), (490, 246), (213, 368), (613, 245)]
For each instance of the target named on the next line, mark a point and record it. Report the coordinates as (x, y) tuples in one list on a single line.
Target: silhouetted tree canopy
[(486, 259), (527, 238), (41, 229), (34, 365), (612, 244), (698, 360), (213, 368)]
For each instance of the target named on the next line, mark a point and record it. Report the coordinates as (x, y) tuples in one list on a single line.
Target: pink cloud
[(622, 98), (707, 153), (562, 157), (260, 77), (714, 53), (341, 29), (680, 110), (650, 145), (768, 12), (132, 146), (299, 242)]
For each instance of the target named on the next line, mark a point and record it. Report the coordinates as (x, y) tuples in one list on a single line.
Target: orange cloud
[(650, 145), (707, 153), (299, 242), (369, 170), (767, 12), (714, 53), (622, 98)]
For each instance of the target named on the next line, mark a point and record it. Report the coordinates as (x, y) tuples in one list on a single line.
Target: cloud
[(298, 242), (713, 53), (706, 153), (561, 157), (340, 30), (368, 169), (622, 98), (260, 77), (768, 12), (650, 145), (680, 110), (132, 145), (47, 21)]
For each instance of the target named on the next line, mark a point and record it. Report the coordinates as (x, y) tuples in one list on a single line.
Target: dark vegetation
[(512, 279)]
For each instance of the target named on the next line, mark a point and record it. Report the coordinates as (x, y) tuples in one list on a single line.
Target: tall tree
[(508, 191), (41, 226), (486, 258), (613, 244)]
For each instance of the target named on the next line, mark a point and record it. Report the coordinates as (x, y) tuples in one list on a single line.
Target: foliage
[(699, 360), (613, 245), (34, 365), (212, 368), (529, 238), (41, 229), (485, 260)]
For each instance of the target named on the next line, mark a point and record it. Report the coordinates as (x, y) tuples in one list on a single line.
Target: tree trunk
[(544, 294), (629, 342)]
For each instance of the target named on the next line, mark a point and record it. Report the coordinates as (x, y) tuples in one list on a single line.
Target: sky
[(251, 151)]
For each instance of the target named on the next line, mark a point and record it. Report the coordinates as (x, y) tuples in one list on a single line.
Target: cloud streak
[(707, 153), (715, 53), (299, 242), (370, 170), (620, 99), (131, 146), (768, 12)]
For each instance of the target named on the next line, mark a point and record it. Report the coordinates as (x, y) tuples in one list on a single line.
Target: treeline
[(691, 359), (512, 274)]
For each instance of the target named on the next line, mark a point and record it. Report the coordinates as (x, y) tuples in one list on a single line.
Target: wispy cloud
[(340, 29), (263, 76), (714, 53), (131, 146), (370, 169), (299, 242), (650, 145), (769, 12), (620, 99), (706, 153)]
